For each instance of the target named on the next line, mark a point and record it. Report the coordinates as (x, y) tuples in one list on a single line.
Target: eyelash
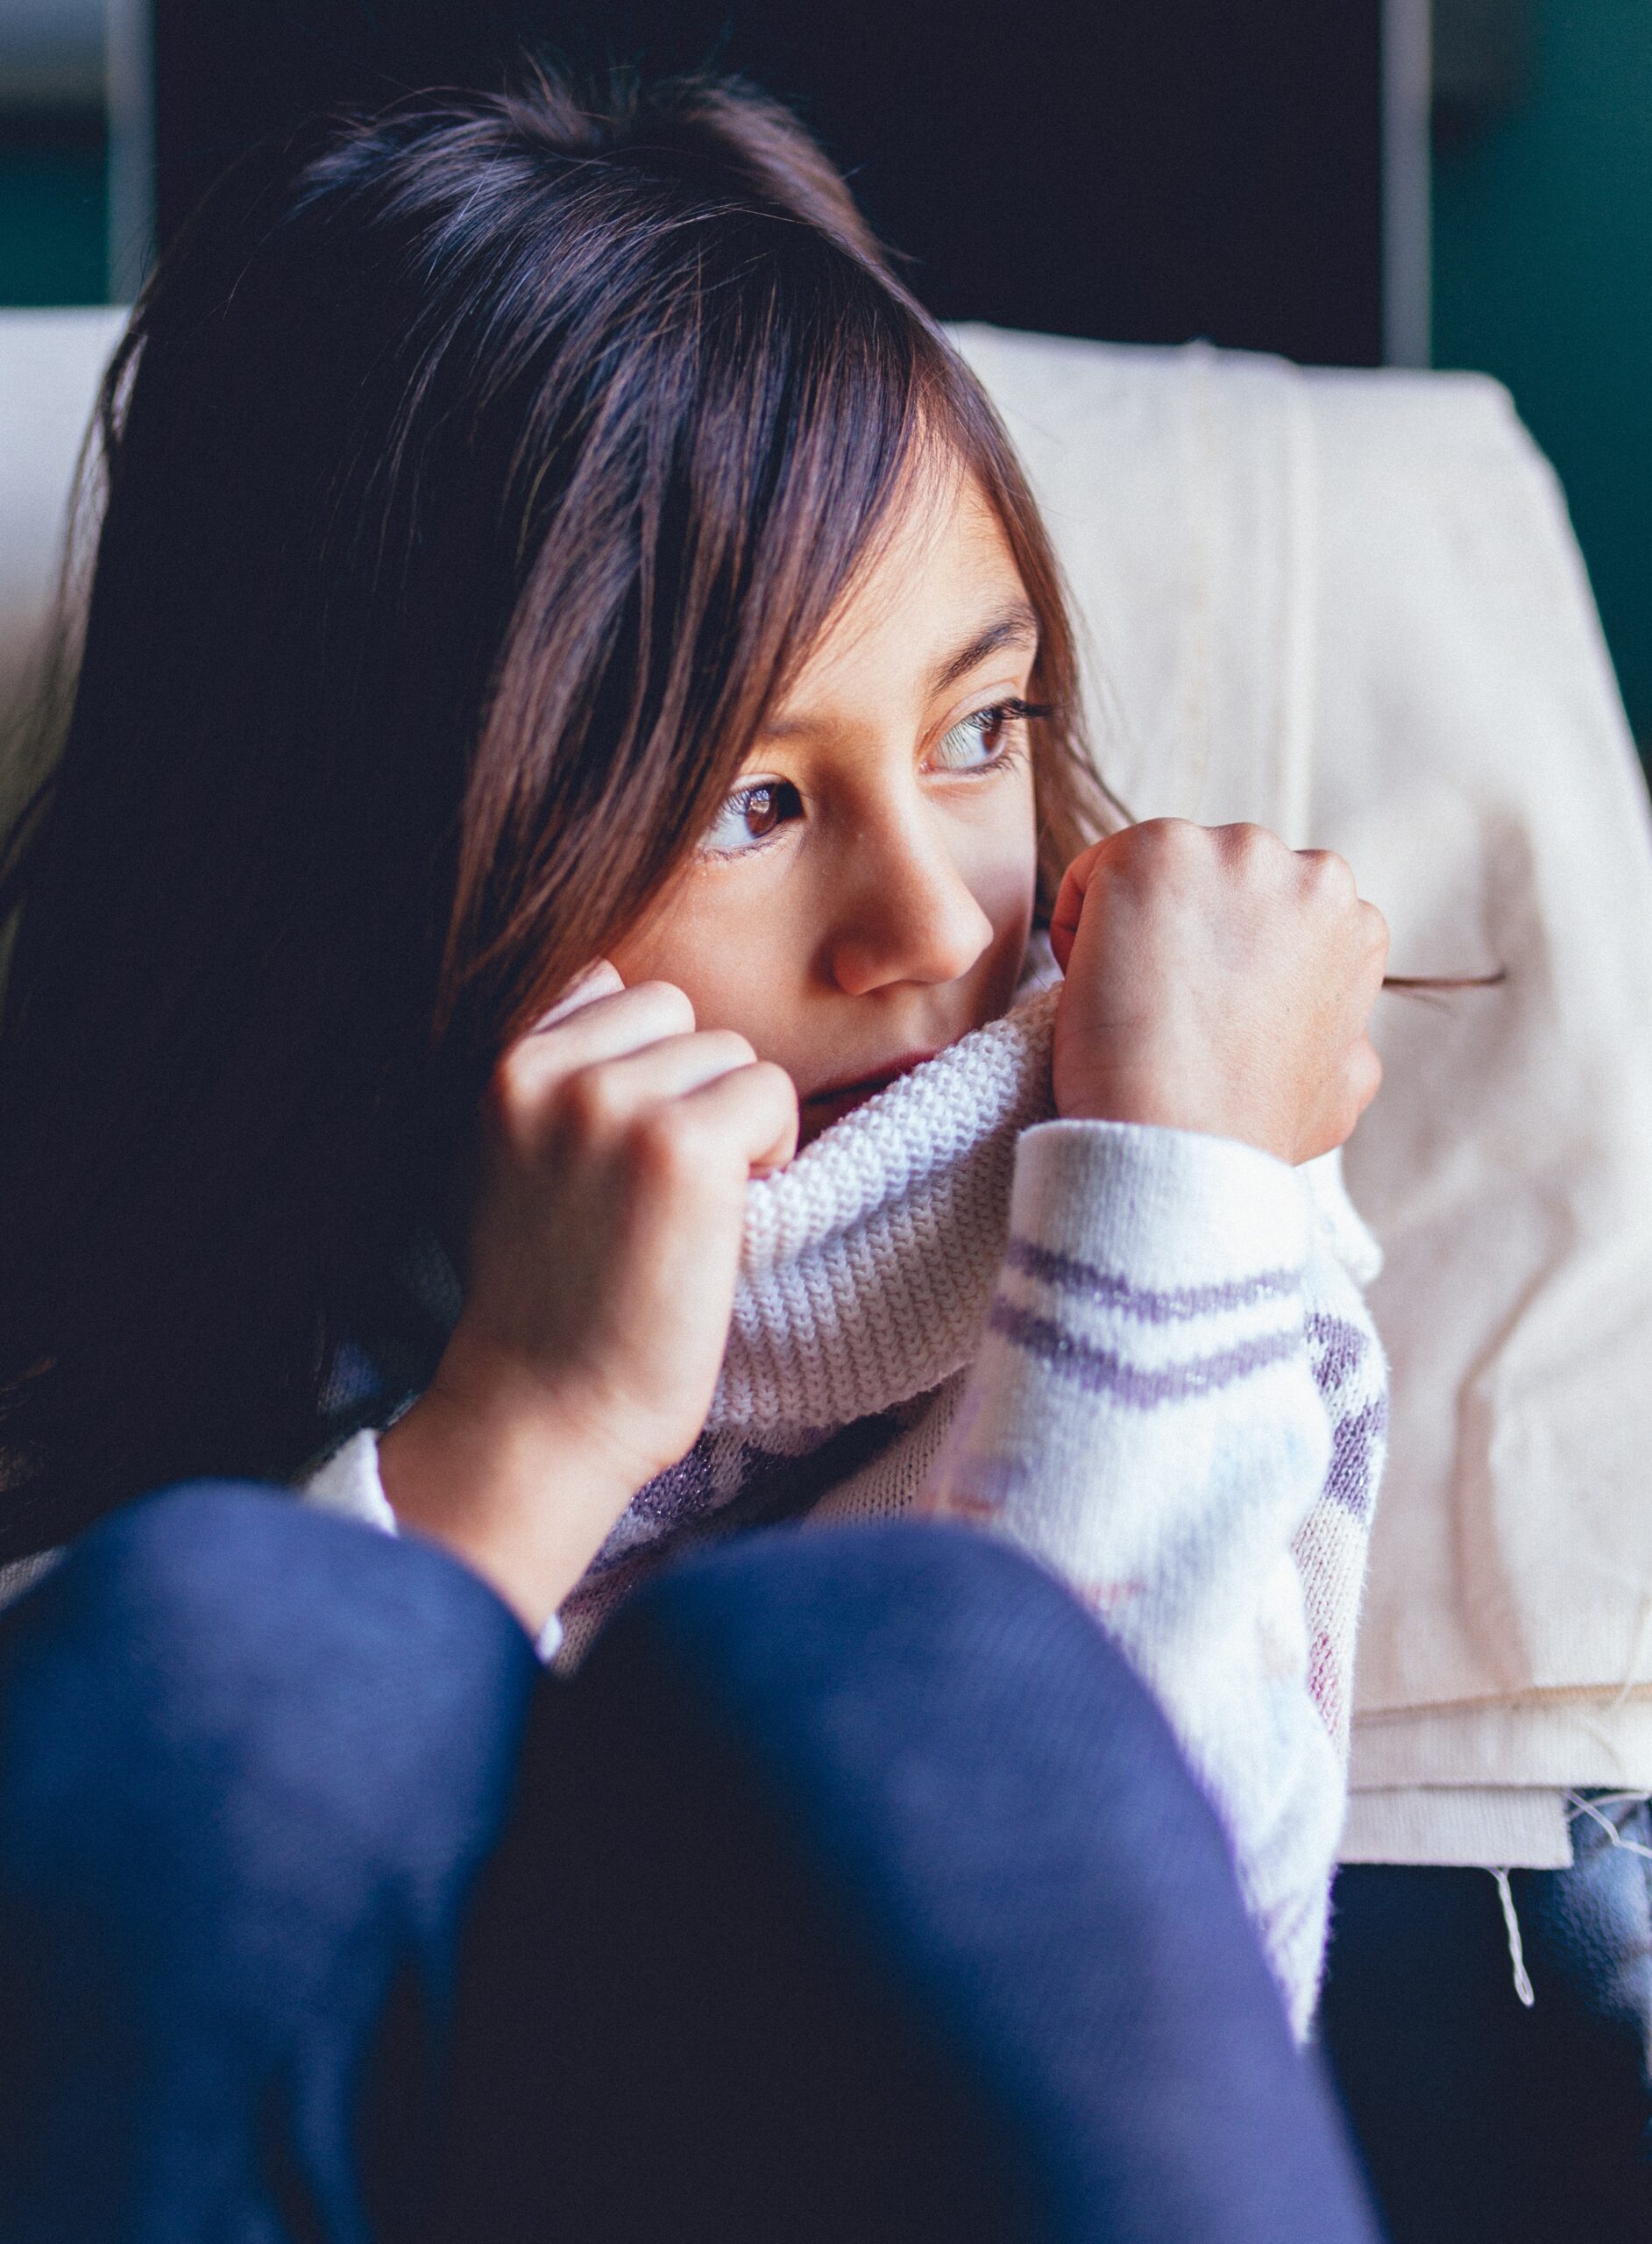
[(1013, 711)]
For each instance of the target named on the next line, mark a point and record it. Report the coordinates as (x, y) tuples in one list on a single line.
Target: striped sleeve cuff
[(1199, 1224), (1152, 1266)]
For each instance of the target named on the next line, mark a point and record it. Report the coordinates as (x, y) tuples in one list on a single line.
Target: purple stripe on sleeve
[(1100, 1372), (1355, 1443), (1339, 1348), (1154, 1306)]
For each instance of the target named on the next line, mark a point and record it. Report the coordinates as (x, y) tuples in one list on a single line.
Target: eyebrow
[(1017, 627)]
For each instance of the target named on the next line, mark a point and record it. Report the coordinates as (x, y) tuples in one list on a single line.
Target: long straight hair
[(476, 474)]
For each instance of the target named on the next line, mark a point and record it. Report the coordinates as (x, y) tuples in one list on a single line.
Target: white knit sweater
[(1141, 1354)]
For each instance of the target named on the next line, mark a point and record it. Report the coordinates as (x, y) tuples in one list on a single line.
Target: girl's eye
[(751, 815), (980, 741)]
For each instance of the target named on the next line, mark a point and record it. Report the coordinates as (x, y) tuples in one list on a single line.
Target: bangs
[(768, 403)]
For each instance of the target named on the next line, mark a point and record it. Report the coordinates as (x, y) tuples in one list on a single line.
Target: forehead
[(942, 576)]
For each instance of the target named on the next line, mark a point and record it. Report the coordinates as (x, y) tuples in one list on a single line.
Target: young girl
[(570, 646)]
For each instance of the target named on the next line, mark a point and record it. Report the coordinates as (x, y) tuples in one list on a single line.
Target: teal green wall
[(1542, 275), (52, 223)]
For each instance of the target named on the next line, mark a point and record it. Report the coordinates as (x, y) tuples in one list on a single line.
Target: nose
[(909, 916)]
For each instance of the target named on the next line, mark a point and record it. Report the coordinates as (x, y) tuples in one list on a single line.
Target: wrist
[(509, 1474), (1163, 1100)]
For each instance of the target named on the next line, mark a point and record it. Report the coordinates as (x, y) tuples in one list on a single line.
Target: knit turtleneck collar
[(866, 1274), (868, 1265)]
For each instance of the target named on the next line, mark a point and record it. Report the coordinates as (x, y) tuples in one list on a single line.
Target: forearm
[(491, 1467), (511, 1494)]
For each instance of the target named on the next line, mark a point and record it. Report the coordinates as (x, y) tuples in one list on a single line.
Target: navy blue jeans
[(853, 1891), (1484, 2122)]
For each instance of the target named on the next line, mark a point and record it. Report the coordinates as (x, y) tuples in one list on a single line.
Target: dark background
[(1145, 173), (1145, 170)]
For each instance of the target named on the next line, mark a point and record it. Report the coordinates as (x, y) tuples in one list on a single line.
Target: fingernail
[(601, 980)]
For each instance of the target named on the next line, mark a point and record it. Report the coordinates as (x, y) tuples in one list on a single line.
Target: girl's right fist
[(617, 1143)]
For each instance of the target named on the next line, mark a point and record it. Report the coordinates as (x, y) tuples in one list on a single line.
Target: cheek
[(729, 951), (999, 858)]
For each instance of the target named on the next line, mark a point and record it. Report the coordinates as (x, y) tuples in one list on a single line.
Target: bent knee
[(206, 1584), (219, 1649), (913, 1627)]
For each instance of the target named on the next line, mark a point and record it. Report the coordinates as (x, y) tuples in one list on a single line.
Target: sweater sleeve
[(1142, 1416)]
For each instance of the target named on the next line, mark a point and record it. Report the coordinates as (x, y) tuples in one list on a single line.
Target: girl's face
[(864, 896)]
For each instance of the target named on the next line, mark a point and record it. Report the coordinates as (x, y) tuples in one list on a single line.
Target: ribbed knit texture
[(900, 1210)]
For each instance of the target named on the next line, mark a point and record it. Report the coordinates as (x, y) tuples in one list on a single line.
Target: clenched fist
[(1218, 981), (618, 1142)]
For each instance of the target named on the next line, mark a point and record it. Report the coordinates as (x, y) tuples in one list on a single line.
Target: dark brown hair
[(476, 475)]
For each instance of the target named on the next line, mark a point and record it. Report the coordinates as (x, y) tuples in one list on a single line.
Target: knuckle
[(589, 1105), (772, 1093), (773, 1081), (512, 1079), (664, 1144), (1160, 856), (1161, 837), (1249, 842), (1327, 872), (1364, 1074), (517, 1090)]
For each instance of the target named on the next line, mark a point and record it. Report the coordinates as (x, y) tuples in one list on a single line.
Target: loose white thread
[(1577, 1805), (1516, 1953), (1631, 1682)]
